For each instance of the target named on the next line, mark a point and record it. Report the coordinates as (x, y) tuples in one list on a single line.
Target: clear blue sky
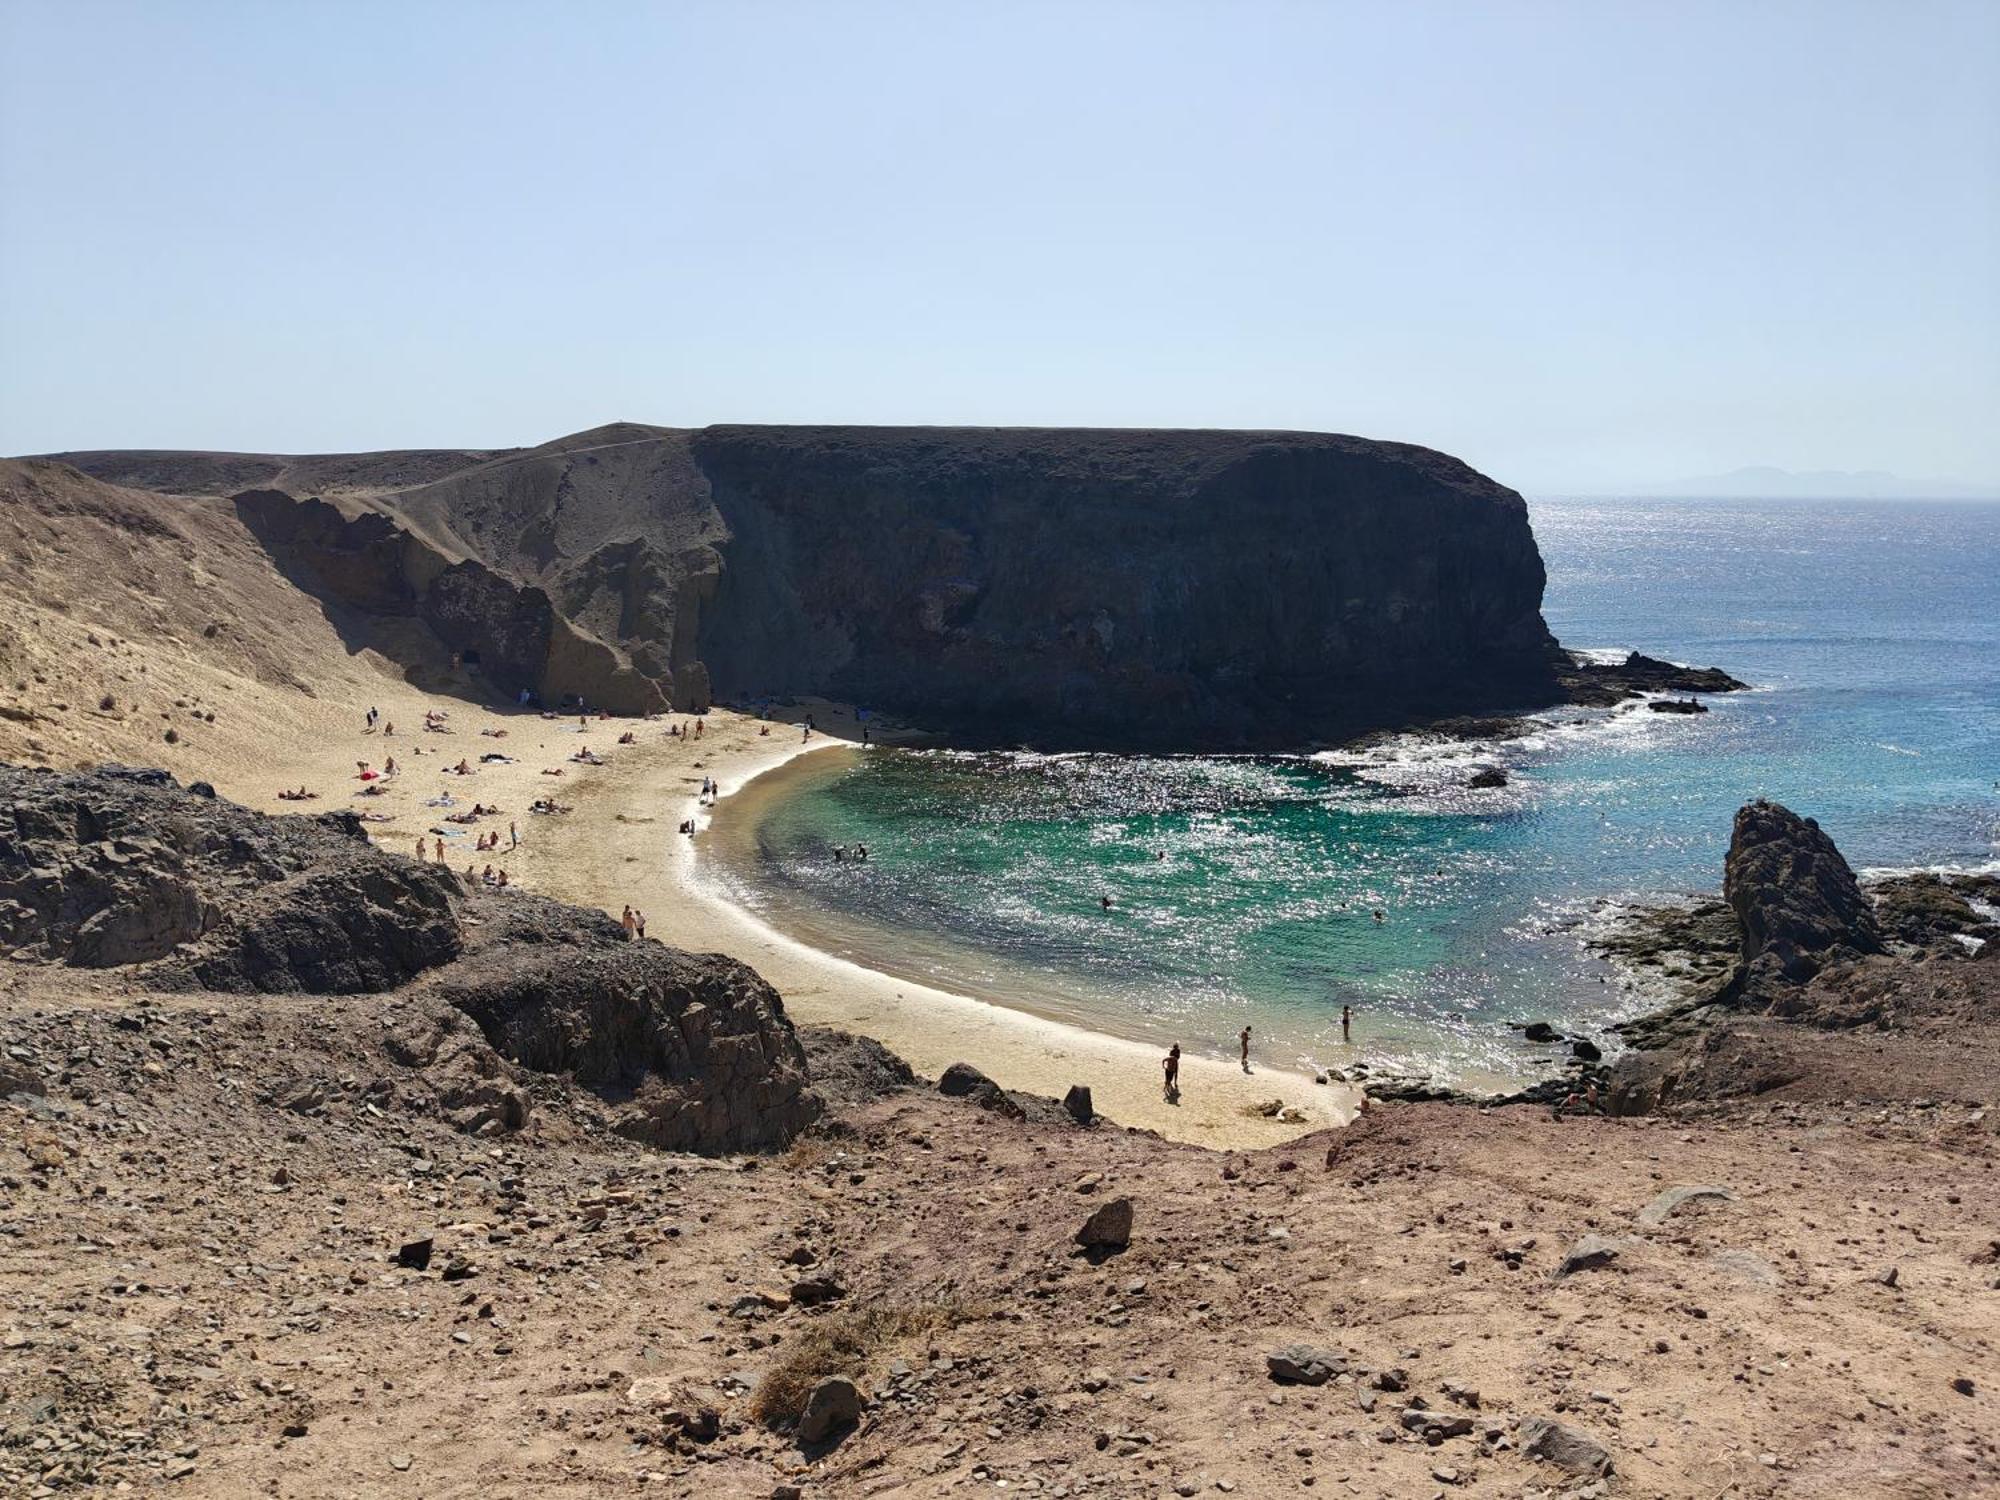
[(1579, 244)]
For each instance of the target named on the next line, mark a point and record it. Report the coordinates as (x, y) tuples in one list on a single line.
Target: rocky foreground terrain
[(481, 1220)]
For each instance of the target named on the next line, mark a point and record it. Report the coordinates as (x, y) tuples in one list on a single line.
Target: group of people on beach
[(1170, 1065), (491, 841), (634, 923)]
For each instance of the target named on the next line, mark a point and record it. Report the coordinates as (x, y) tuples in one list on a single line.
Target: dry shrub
[(843, 1343), (808, 1153)]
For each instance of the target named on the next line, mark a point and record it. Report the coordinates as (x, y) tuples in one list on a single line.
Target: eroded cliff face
[(381, 571), (1169, 589), (1054, 587)]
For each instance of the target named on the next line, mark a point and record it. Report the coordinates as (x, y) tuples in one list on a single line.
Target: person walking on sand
[(1171, 1066), (513, 837), (639, 921), (1245, 1040)]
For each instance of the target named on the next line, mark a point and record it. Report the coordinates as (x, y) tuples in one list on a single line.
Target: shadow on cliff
[(455, 625), (396, 634)]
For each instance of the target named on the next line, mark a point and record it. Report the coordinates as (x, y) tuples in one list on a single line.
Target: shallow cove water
[(1245, 890)]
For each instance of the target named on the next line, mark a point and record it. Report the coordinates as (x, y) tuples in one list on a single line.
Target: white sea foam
[(1425, 762), (1893, 872)]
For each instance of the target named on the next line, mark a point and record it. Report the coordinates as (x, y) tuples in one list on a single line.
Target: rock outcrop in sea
[(1125, 589), (1797, 958)]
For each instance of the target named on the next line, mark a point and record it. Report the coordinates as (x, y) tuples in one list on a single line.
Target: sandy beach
[(619, 844)]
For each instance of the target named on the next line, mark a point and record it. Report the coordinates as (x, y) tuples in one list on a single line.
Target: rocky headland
[(1177, 590)]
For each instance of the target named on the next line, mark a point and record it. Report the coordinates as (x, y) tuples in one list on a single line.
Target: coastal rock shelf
[(1125, 589)]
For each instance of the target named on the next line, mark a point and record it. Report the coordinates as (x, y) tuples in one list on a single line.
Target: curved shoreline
[(611, 845)]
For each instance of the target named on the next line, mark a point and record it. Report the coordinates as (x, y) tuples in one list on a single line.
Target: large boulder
[(123, 866), (850, 1070), (1795, 898), (835, 1404), (693, 1052), (370, 925), (1109, 1228), (1564, 1446), (963, 1081)]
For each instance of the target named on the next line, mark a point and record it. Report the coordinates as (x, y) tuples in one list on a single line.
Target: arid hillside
[(141, 627)]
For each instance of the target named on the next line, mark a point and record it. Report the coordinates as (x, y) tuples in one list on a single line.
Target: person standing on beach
[(513, 837), (1245, 1040), (630, 924), (1347, 1023), (1171, 1066)]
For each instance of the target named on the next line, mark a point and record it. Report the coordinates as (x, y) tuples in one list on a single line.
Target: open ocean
[(1244, 890)]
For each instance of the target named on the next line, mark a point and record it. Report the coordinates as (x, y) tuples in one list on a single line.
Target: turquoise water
[(1245, 890)]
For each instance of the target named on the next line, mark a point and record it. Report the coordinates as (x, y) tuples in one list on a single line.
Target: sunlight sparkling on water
[(1244, 889)]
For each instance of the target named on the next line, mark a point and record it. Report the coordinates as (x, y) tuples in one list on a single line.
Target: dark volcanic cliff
[(1058, 586)]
